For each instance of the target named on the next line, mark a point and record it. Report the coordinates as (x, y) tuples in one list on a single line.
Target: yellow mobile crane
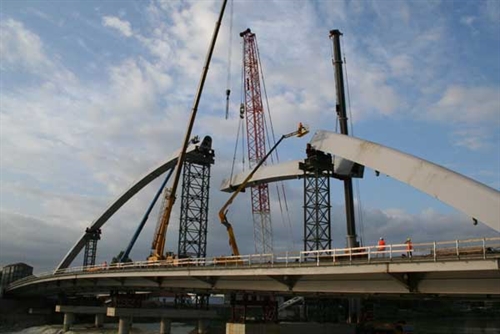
[(301, 131), (158, 245)]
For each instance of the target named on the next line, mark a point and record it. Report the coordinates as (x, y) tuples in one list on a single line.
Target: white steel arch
[(288, 171), (464, 194), (120, 201)]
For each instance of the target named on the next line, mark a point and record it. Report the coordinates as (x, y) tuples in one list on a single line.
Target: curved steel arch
[(119, 202), (464, 194), (288, 171)]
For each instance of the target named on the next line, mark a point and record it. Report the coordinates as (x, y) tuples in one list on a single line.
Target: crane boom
[(301, 131), (256, 139), (159, 242)]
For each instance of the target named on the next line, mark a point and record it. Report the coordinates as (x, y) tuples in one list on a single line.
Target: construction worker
[(381, 246), (409, 247)]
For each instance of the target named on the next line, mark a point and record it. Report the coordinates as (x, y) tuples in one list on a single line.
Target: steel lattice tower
[(194, 201), (254, 112), (90, 251), (317, 169)]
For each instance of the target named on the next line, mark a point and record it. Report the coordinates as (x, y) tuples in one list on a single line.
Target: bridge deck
[(469, 270)]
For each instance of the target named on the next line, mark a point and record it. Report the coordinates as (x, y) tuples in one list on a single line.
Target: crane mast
[(158, 245), (342, 116), (255, 127)]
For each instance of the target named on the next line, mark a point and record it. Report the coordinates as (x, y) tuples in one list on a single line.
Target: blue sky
[(95, 93)]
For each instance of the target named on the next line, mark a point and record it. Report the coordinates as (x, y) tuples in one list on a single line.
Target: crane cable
[(358, 190), (228, 90), (240, 127), (283, 191)]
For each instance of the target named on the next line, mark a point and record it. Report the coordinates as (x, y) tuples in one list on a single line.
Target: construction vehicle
[(301, 131)]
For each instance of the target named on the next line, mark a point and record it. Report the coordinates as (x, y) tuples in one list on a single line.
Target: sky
[(93, 94)]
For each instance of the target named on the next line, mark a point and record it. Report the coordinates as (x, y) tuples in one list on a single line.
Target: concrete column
[(165, 325), (69, 319), (124, 325), (201, 326), (354, 310), (99, 320)]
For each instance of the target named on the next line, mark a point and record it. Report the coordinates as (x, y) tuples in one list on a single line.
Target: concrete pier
[(70, 311), (166, 315), (354, 310), (69, 319), (99, 320), (165, 325), (124, 325), (201, 326)]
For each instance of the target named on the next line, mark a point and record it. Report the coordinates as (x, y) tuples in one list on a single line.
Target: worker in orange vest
[(409, 247), (381, 246)]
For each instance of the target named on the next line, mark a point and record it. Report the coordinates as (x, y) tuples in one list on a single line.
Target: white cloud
[(402, 65), (395, 225), (468, 20), (116, 23), (491, 10), (474, 139), (468, 104), (20, 48)]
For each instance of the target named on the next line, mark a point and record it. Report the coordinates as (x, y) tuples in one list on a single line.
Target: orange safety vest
[(409, 246), (381, 245)]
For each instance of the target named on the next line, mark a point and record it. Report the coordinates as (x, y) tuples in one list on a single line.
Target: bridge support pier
[(165, 325), (99, 320), (124, 325), (69, 319), (201, 326), (354, 310)]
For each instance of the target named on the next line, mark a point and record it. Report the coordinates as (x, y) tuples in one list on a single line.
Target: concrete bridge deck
[(456, 271)]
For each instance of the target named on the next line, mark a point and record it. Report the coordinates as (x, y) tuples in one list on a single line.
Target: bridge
[(459, 268), (455, 268), (340, 271), (472, 265)]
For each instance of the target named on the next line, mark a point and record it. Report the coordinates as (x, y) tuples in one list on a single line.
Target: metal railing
[(480, 248)]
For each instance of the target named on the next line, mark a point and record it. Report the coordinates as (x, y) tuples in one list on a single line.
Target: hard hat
[(381, 238), (408, 239)]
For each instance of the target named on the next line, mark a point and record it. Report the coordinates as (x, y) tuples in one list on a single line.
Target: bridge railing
[(480, 248), (430, 251)]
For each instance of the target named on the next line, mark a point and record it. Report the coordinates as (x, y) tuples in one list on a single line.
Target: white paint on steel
[(467, 195), (280, 172), (120, 201)]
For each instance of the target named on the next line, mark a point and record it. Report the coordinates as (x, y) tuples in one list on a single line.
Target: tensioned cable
[(242, 106), (235, 151), (290, 230), (229, 56), (240, 127)]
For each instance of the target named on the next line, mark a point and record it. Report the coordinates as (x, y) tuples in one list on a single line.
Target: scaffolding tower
[(318, 169), (194, 201), (90, 251)]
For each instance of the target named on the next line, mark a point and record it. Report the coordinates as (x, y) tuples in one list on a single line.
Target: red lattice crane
[(256, 139)]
